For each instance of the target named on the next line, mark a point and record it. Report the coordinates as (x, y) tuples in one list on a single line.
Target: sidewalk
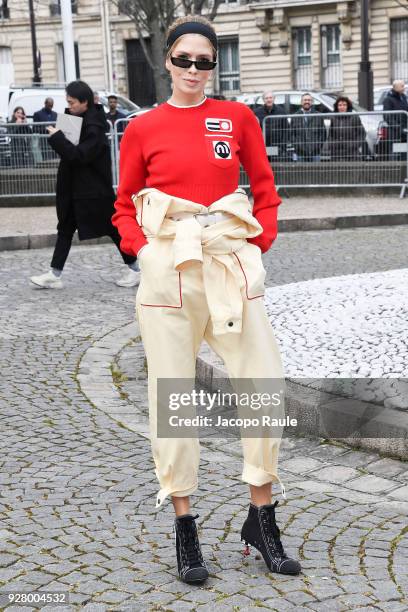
[(77, 480), (34, 227)]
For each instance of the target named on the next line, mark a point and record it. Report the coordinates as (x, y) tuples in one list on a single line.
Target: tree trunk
[(152, 18), (161, 75)]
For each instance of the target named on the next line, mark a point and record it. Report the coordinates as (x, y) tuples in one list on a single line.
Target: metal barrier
[(28, 164), (338, 149), (118, 131), (319, 150)]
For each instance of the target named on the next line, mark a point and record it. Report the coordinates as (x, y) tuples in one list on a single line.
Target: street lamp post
[(36, 77), (365, 75), (68, 38)]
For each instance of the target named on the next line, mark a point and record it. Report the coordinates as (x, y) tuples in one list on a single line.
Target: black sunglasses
[(182, 62)]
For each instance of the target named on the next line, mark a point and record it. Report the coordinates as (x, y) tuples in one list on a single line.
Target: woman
[(20, 131), (85, 195), (347, 135), (201, 277)]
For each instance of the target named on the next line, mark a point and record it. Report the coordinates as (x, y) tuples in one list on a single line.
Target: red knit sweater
[(194, 153)]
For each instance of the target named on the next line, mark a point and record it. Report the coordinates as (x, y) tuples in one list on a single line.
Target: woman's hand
[(52, 130)]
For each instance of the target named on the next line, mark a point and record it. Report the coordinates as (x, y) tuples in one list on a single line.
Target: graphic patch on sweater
[(222, 149), (218, 125)]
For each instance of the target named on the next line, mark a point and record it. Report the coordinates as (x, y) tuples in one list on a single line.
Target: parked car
[(125, 106), (323, 102), (141, 111), (32, 99)]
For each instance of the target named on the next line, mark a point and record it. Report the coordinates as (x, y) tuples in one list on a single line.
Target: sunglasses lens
[(181, 62), (205, 65)]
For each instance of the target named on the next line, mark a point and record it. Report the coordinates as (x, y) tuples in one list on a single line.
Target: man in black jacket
[(114, 114), (308, 132), (396, 100), (85, 196), (46, 114), (275, 130)]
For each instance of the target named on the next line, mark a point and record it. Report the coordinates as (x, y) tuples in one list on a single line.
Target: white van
[(32, 100)]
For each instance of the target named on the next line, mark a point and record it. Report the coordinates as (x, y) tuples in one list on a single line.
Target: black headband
[(192, 27)]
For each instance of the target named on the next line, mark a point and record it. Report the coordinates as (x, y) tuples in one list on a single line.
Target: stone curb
[(39, 241), (385, 431), (344, 222), (96, 383), (22, 241), (95, 380)]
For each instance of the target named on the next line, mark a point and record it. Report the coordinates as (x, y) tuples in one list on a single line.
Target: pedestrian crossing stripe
[(218, 125)]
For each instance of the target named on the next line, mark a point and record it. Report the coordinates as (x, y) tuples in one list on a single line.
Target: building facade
[(265, 44)]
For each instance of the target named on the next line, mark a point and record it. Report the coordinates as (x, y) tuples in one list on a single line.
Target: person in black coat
[(346, 134), (84, 192), (276, 130), (396, 100), (114, 114), (45, 115), (308, 132), (20, 139)]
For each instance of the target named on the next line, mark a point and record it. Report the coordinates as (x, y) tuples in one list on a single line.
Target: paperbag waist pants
[(203, 283)]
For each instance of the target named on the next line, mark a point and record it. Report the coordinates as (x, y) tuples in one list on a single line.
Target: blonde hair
[(189, 19)]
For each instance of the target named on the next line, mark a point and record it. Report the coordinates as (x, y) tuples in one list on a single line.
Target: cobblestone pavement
[(77, 488)]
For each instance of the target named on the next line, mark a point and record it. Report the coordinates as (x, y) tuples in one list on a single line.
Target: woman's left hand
[(51, 130)]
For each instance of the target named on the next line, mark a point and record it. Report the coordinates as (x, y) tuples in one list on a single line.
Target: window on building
[(4, 10), (55, 7), (61, 62), (6, 66), (399, 49), (210, 3), (228, 66), (302, 58), (330, 44)]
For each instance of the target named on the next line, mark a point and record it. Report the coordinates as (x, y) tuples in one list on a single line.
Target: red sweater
[(194, 153)]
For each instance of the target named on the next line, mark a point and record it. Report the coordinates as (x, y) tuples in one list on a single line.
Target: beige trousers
[(203, 283)]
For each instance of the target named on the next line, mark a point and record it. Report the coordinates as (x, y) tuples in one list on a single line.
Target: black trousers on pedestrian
[(64, 242)]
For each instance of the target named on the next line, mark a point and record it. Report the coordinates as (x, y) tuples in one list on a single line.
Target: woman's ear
[(168, 63)]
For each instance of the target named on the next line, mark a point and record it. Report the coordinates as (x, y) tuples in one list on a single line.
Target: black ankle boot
[(260, 530), (191, 565)]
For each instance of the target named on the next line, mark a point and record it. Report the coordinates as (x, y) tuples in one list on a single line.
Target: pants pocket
[(249, 259), (160, 284)]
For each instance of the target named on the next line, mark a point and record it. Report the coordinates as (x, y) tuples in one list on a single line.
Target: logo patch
[(218, 125), (222, 149)]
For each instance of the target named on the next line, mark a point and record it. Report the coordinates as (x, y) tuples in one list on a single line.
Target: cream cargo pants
[(203, 283)]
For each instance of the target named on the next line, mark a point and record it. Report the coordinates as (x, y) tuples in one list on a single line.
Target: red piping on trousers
[(168, 305), (246, 281)]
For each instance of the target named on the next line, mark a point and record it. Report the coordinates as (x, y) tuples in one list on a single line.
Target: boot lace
[(271, 530), (191, 547)]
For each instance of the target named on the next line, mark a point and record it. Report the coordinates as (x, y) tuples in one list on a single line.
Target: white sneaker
[(131, 278), (47, 281)]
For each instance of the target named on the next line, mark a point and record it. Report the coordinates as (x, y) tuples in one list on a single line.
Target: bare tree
[(151, 19)]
